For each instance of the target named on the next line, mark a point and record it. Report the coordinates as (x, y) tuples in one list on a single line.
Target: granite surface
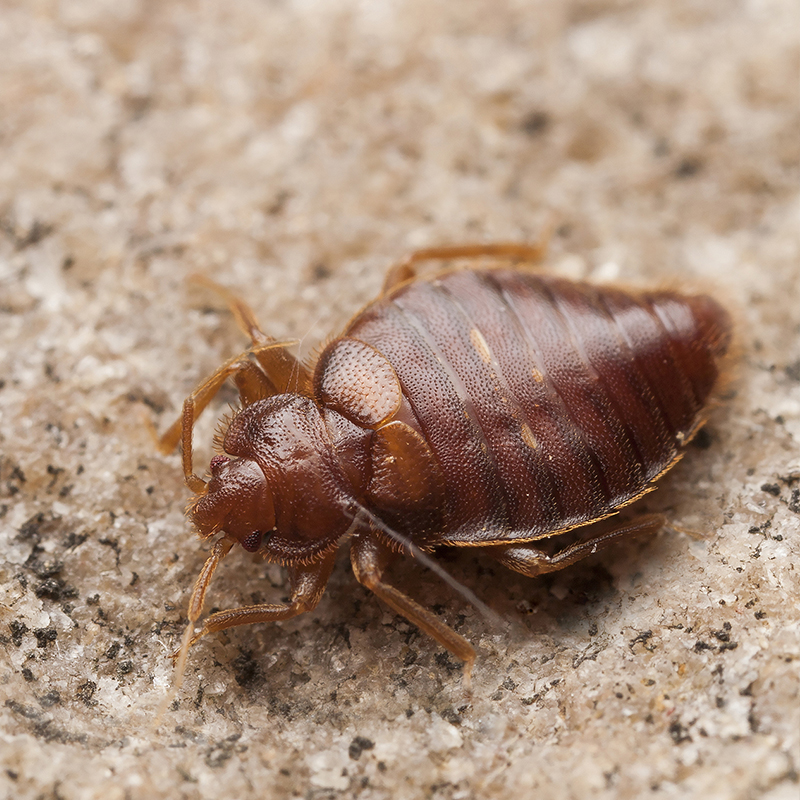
[(293, 151)]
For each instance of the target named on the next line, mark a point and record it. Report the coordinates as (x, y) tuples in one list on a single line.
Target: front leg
[(370, 557), (252, 384), (307, 586)]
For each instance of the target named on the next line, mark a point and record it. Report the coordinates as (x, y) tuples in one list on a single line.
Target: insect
[(490, 408)]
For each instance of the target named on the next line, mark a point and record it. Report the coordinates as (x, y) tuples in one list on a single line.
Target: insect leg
[(252, 383), (275, 359), (529, 560), (307, 586), (370, 558), (244, 315), (287, 373), (406, 269), (281, 367), (193, 406)]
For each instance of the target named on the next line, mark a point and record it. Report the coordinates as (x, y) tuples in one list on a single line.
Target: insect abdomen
[(546, 403)]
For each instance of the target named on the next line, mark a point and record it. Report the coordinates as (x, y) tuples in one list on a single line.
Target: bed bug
[(490, 407)]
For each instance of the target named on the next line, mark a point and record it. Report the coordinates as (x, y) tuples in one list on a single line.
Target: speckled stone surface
[(293, 150)]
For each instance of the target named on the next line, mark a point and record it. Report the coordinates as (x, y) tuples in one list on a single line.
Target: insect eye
[(216, 463), (252, 542)]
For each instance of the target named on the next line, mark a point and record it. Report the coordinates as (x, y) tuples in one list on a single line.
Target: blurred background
[(293, 150)]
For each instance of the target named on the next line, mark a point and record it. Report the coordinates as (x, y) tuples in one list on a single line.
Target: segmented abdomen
[(546, 403)]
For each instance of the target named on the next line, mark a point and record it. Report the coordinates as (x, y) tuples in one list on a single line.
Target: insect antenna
[(431, 563), (218, 552)]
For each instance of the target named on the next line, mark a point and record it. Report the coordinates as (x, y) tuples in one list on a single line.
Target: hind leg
[(529, 560), (406, 269)]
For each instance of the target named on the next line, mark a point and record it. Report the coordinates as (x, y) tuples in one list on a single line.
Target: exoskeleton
[(489, 408)]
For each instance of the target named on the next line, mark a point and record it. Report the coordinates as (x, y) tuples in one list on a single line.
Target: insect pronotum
[(491, 408)]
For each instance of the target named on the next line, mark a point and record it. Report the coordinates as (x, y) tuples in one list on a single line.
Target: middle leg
[(370, 557)]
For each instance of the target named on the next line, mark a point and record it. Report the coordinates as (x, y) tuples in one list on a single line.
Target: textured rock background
[(292, 150)]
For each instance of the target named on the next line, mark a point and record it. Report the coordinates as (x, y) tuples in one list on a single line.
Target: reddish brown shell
[(544, 404), (479, 408)]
